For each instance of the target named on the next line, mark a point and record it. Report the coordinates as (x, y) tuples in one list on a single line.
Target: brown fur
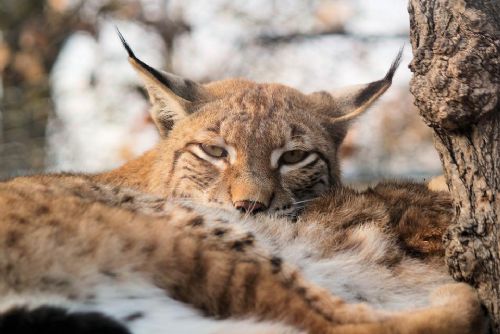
[(256, 123), (87, 239), (66, 233), (252, 113), (86, 231), (416, 217), (93, 231)]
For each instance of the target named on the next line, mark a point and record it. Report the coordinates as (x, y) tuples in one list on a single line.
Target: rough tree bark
[(456, 84)]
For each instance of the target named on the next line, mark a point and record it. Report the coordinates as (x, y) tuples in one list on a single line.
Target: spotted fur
[(93, 245), (144, 245)]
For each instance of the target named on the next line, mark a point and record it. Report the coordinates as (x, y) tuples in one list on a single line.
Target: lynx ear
[(350, 102), (170, 95)]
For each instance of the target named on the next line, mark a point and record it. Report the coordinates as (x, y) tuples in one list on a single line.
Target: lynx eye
[(214, 151), (292, 157)]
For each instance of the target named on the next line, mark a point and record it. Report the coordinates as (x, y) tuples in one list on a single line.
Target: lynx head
[(249, 146)]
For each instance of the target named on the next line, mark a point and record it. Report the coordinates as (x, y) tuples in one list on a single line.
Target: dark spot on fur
[(95, 187), (132, 297), (150, 247), (133, 316), (360, 297), (18, 219), (225, 298), (55, 282), (12, 238), (127, 245), (42, 210), (219, 232), (53, 222), (127, 199), (238, 246), (313, 299), (248, 240), (176, 291), (391, 259), (85, 251), (186, 208), (9, 268), (301, 291), (108, 273), (196, 221), (214, 129), (99, 218), (276, 263), (357, 219), (72, 296)]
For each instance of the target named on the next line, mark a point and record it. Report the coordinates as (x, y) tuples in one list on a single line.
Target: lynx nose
[(251, 207)]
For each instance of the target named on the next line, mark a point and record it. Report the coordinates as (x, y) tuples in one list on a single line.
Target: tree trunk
[(456, 84)]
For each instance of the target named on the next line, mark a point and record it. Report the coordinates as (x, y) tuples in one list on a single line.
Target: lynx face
[(245, 145), (256, 148)]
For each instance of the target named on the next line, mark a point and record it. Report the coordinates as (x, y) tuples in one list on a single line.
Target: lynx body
[(235, 222), (351, 263)]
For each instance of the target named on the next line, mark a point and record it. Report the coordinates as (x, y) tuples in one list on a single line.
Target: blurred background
[(70, 101)]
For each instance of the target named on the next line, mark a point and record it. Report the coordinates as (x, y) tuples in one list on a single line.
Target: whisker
[(305, 201)]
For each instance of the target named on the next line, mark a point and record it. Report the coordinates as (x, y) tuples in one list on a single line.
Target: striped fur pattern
[(350, 264)]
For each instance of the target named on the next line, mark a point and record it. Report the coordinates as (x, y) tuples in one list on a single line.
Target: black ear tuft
[(381, 85), (351, 103), (171, 96), (125, 44), (154, 72), (394, 66)]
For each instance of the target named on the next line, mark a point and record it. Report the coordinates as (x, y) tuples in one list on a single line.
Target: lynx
[(79, 253), (241, 145), (161, 244)]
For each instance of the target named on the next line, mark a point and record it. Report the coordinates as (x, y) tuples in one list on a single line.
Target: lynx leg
[(224, 272), (455, 309), (53, 242)]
